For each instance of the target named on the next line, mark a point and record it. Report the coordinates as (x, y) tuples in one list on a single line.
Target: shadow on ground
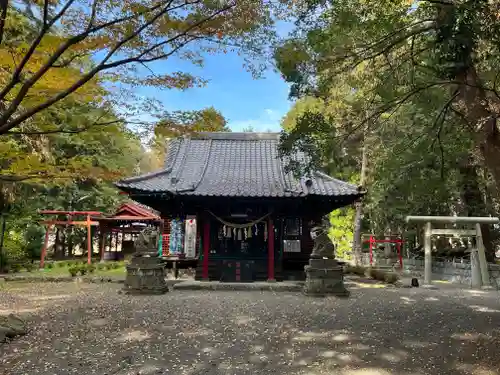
[(92, 329)]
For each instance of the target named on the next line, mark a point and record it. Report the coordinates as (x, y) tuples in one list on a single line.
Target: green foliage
[(29, 267), (82, 269), (73, 271), (16, 267), (75, 51), (387, 77), (13, 247), (102, 267), (34, 238), (341, 232)]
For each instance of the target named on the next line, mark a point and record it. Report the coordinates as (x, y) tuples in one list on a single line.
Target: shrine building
[(233, 209)]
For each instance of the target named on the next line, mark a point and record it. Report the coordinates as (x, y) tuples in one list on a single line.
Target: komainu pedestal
[(324, 276), (146, 272)]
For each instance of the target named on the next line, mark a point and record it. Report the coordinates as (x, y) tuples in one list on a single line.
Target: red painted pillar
[(270, 250), (45, 245), (89, 241), (206, 248), (371, 250)]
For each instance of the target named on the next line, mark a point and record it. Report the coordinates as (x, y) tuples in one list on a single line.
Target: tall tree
[(414, 47), (74, 45)]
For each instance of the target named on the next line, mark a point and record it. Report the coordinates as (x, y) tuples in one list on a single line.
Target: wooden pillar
[(45, 245), (206, 247), (270, 250), (428, 255), (161, 229), (89, 241), (400, 255), (102, 241), (483, 264)]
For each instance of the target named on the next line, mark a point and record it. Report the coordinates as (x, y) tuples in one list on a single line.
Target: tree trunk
[(58, 245), (358, 219), (475, 105), (474, 201)]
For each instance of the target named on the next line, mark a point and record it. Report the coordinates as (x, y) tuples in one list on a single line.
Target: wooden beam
[(56, 212), (453, 219), (68, 222), (454, 232)]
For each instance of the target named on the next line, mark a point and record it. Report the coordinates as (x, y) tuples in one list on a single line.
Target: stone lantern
[(146, 271)]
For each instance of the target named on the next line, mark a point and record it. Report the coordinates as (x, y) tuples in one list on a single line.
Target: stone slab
[(255, 286)]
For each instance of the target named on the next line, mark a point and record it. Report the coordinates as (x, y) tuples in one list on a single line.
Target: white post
[(428, 256), (485, 275), (475, 272)]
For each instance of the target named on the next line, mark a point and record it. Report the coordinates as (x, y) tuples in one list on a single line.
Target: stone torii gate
[(478, 280)]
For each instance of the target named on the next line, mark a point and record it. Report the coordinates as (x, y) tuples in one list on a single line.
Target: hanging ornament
[(224, 230), (250, 232), (234, 233), (256, 230), (239, 232), (245, 233)]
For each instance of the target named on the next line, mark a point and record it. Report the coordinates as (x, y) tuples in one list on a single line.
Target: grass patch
[(75, 268)]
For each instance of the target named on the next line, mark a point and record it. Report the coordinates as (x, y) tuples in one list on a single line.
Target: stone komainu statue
[(147, 241), (323, 246), (146, 271), (324, 276)]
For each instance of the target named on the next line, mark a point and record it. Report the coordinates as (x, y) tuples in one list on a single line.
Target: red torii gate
[(397, 241), (70, 214)]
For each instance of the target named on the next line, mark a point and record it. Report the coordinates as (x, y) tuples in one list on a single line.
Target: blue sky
[(244, 101)]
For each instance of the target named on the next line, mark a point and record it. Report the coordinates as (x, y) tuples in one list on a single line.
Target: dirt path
[(92, 329)]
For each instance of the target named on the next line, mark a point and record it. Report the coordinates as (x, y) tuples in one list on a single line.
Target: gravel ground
[(92, 329)]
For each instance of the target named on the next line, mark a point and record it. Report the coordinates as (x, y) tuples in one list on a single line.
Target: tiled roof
[(133, 208), (233, 165)]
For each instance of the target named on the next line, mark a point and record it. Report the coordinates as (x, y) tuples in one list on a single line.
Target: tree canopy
[(55, 52), (409, 86)]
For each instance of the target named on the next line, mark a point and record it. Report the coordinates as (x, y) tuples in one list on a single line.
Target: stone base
[(146, 275), (143, 291), (11, 326), (487, 287), (429, 286), (324, 277)]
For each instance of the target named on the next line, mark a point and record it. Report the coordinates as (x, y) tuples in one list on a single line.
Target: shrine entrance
[(240, 245), (479, 267)]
